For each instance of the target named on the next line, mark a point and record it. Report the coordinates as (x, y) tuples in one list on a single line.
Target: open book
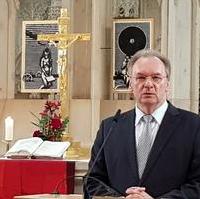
[(35, 147)]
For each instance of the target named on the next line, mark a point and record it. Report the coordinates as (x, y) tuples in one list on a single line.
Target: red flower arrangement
[(51, 125)]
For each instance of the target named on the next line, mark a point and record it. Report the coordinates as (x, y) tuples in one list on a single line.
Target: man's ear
[(168, 88), (131, 85)]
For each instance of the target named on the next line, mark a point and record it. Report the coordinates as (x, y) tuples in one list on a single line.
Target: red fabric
[(21, 177)]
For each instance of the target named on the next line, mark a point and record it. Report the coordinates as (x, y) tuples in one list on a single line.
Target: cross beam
[(63, 39)]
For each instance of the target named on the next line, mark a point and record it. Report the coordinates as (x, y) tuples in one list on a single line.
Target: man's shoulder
[(183, 112), (123, 115)]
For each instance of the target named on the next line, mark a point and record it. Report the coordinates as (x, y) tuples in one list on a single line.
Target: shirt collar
[(158, 114)]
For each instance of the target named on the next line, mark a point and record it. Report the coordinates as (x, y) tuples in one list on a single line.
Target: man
[(171, 167), (46, 69)]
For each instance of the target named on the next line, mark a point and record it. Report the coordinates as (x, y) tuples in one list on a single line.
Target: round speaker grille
[(132, 39)]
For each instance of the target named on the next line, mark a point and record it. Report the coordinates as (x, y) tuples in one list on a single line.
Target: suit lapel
[(129, 129), (166, 130)]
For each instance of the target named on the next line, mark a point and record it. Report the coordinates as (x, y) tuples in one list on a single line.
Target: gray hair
[(150, 53)]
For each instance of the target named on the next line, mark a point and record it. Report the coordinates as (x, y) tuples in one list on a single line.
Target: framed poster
[(129, 36), (39, 71)]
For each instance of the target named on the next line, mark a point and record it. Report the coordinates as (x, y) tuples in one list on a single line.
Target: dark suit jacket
[(173, 166)]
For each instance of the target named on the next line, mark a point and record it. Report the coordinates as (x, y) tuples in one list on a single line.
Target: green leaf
[(35, 124), (35, 116)]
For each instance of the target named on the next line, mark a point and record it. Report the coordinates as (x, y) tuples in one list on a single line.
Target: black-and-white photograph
[(129, 36), (39, 58)]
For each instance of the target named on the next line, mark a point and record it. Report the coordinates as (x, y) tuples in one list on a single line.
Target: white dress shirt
[(158, 115)]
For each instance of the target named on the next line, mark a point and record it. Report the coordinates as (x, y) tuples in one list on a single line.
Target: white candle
[(9, 124)]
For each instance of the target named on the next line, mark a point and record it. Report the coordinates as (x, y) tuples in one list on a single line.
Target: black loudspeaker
[(129, 36)]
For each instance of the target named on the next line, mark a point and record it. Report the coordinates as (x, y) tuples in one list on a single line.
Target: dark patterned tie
[(144, 143)]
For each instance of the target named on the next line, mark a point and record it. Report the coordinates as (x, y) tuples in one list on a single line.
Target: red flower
[(37, 133), (51, 124), (43, 114), (56, 123)]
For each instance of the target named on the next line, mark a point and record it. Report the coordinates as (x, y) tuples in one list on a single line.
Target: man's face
[(149, 82), (46, 54)]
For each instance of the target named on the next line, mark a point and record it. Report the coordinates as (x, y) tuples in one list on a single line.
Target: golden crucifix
[(64, 39)]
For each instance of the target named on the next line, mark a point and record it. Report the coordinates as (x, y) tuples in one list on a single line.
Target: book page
[(51, 149), (24, 146), (50, 78)]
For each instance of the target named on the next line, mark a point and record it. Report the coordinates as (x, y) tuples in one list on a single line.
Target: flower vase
[(67, 137), (73, 151)]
